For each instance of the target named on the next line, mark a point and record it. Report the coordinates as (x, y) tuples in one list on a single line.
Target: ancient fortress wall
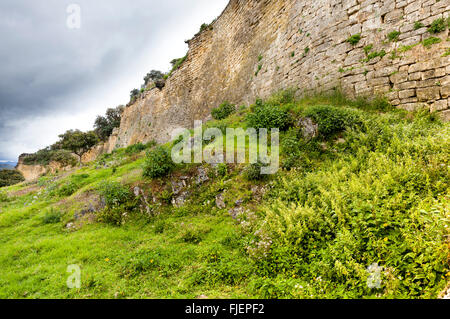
[(299, 43)]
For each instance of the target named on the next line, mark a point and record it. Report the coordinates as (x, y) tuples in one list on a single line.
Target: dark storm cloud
[(45, 67)]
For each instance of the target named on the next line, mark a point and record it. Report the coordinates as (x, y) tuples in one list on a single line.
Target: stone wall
[(259, 46)]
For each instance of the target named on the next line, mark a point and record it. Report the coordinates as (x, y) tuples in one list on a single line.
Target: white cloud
[(58, 79)]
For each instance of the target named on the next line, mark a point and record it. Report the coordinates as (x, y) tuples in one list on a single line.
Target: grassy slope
[(346, 206)]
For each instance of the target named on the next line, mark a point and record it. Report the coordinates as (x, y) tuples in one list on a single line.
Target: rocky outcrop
[(33, 172), (104, 148), (257, 47)]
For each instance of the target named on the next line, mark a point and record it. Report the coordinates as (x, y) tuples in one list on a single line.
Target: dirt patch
[(26, 191)]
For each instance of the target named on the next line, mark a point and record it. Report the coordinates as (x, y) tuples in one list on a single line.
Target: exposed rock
[(310, 129), (177, 187), (239, 202), (202, 175), (236, 211), (258, 192), (220, 201), (90, 210), (136, 191), (179, 201)]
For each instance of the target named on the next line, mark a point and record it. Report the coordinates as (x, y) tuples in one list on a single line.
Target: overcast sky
[(55, 76)]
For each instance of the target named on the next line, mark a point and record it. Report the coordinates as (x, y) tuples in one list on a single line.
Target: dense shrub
[(114, 194), (253, 171), (77, 142), (10, 177), (136, 148), (104, 125), (158, 163), (119, 201), (64, 157), (269, 116), (68, 189), (4, 197), (437, 26), (51, 216), (354, 39), (332, 120), (134, 95), (393, 36), (47, 155), (153, 76), (176, 64), (298, 152), (223, 111), (221, 170), (379, 204), (280, 98)]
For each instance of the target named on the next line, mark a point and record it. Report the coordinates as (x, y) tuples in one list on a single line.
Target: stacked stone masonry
[(257, 47)]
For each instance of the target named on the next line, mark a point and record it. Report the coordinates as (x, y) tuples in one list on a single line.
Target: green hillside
[(371, 191)]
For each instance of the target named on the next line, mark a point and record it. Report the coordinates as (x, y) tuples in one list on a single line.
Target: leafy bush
[(222, 170), (64, 157), (253, 171), (45, 156), (379, 202), (427, 43), (136, 148), (114, 194), (418, 25), (280, 98), (153, 76), (158, 163), (10, 177), (104, 125), (176, 64), (4, 197), (68, 189), (437, 26), (134, 95), (354, 39), (119, 201), (223, 111), (77, 142), (332, 120), (51, 216), (193, 234), (269, 116), (393, 36)]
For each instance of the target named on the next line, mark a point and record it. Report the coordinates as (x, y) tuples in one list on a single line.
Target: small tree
[(104, 125), (154, 76), (78, 142)]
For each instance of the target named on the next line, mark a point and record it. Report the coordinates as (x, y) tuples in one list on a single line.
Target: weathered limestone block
[(439, 106), (407, 93), (428, 94)]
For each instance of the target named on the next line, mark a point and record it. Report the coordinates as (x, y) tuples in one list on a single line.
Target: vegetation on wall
[(104, 125)]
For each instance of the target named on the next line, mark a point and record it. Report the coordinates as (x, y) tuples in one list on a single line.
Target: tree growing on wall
[(104, 125), (78, 142)]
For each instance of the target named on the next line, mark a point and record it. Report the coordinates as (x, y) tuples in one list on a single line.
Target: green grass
[(372, 187)]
